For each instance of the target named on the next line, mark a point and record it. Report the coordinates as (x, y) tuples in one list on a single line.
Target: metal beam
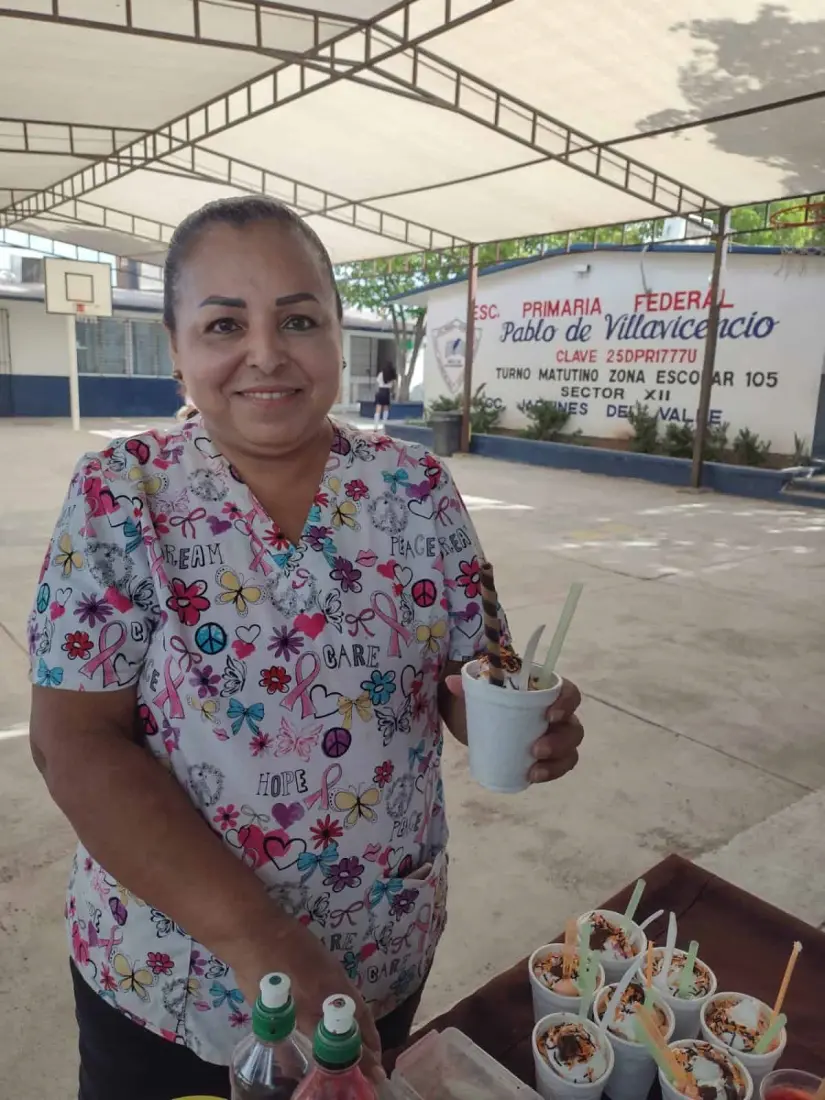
[(252, 31), (458, 91), (34, 135), (308, 200), (350, 53)]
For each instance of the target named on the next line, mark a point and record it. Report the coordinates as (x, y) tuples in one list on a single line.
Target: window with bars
[(122, 345)]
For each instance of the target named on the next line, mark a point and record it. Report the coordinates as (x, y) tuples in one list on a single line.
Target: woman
[(383, 396), (255, 621)]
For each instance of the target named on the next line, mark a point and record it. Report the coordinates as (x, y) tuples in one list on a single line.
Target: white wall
[(768, 368), (39, 342)]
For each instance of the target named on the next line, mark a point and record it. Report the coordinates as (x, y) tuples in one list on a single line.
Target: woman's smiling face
[(257, 336)]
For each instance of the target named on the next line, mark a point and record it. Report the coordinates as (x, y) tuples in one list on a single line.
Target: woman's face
[(257, 336)]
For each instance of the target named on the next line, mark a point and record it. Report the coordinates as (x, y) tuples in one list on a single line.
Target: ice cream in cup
[(502, 725), (634, 1070), (686, 999), (552, 990), (737, 1022), (620, 943), (714, 1073), (573, 1058)]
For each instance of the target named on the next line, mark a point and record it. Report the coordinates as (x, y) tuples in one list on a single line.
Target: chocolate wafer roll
[(492, 624)]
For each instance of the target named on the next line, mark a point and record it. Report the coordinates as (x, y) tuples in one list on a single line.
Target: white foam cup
[(502, 724), (686, 1010), (547, 1001), (548, 1083), (634, 1070), (670, 1092), (757, 1065), (615, 969)]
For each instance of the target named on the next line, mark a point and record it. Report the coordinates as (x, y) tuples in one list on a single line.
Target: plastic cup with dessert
[(700, 1056), (541, 967), (688, 1009), (551, 1084), (612, 933), (502, 725), (712, 1021), (789, 1084), (634, 1068)]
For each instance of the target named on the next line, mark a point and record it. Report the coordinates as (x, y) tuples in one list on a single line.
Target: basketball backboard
[(79, 288)]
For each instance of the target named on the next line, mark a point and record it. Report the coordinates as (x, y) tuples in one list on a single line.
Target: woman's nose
[(267, 348)]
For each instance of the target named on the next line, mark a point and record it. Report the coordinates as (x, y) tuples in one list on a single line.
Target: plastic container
[(502, 724), (670, 1092), (545, 1000), (615, 969), (789, 1084), (447, 1065), (446, 429), (634, 1069), (336, 1050), (757, 1065), (270, 1063), (553, 1087), (686, 1010)]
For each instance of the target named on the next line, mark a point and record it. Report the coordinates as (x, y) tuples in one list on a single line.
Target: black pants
[(120, 1060)]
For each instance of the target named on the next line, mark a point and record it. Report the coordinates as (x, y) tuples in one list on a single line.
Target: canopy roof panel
[(398, 127)]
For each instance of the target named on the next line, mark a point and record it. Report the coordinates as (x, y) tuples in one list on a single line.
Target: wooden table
[(746, 942)]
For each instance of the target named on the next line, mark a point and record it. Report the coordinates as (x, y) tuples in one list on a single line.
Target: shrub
[(443, 404), (801, 451), (645, 426), (749, 449), (547, 419), (483, 415), (716, 442), (678, 441)]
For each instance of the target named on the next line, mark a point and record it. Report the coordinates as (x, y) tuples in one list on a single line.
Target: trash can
[(446, 428)]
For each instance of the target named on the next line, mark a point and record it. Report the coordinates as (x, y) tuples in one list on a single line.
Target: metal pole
[(74, 382), (709, 363), (469, 345)]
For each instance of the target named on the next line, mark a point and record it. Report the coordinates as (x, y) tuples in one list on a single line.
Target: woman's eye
[(222, 326), (300, 323)]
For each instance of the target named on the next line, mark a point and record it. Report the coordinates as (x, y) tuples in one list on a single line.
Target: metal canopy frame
[(386, 53)]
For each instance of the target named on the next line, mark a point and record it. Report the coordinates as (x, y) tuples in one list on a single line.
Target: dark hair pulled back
[(237, 212)]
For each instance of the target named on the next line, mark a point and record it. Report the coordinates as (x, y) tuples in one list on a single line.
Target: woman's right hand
[(315, 975)]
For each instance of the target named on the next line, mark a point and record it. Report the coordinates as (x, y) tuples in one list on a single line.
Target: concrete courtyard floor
[(698, 647)]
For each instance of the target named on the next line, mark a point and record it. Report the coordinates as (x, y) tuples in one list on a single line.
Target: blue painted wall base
[(47, 396), (743, 481), (404, 410)]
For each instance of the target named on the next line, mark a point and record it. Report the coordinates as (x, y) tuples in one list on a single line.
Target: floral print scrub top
[(290, 689)]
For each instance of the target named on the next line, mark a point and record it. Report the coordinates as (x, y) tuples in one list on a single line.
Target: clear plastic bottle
[(270, 1063), (336, 1049)]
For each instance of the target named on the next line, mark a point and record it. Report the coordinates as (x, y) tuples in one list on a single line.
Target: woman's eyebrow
[(239, 303), (220, 300)]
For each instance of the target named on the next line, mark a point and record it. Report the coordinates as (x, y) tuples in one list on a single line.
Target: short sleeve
[(96, 607), (461, 559)]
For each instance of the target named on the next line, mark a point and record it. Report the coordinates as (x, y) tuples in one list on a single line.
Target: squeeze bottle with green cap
[(270, 1063), (336, 1050)]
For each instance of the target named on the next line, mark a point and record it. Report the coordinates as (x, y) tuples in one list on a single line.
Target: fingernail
[(541, 750), (554, 716)]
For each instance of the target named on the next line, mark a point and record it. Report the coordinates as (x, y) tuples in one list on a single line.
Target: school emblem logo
[(449, 343)]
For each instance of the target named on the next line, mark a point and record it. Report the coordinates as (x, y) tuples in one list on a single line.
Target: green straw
[(772, 1032), (654, 1051), (633, 904), (587, 986), (686, 977), (585, 954), (554, 652)]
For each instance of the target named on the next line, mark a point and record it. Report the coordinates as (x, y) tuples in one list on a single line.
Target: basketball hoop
[(81, 307), (812, 213)]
